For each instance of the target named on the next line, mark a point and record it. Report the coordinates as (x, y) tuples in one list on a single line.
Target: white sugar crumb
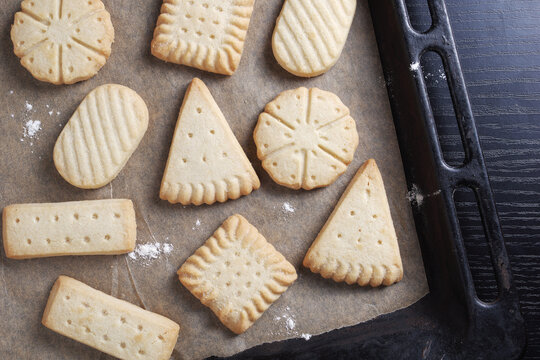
[(197, 224), (150, 251), (28, 106), (287, 207), (50, 113), (306, 336), (415, 66), (10, 92), (290, 324), (31, 128)]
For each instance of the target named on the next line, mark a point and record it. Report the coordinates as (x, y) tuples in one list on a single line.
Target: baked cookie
[(358, 243), (305, 138), (205, 34), (206, 163), (100, 137), (237, 274), (108, 324), (310, 34), (62, 42), (94, 227)]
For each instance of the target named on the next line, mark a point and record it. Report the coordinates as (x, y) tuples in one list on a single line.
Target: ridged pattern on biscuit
[(101, 135), (206, 35), (358, 243), (237, 274), (309, 35), (206, 163), (305, 138), (209, 192), (62, 41)]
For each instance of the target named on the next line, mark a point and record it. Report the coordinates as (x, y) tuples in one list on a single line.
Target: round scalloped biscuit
[(62, 42), (305, 138)]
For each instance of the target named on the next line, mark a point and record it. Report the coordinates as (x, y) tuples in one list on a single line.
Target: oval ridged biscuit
[(309, 35), (100, 137)]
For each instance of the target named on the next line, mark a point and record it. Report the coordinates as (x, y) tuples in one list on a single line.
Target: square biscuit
[(237, 274), (95, 227), (108, 324), (208, 35)]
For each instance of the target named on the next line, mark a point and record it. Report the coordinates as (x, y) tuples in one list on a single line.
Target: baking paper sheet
[(289, 219)]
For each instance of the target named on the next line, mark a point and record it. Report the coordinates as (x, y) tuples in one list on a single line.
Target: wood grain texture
[(499, 46)]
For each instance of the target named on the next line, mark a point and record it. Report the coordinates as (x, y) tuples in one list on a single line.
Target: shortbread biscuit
[(206, 163), (237, 274), (96, 227), (108, 324), (208, 35), (310, 34), (305, 138), (358, 243), (100, 137), (62, 42)]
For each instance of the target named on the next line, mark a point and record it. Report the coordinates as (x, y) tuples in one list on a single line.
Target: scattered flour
[(291, 324), (416, 197), (289, 321), (415, 66), (31, 128), (28, 106), (287, 207), (150, 251)]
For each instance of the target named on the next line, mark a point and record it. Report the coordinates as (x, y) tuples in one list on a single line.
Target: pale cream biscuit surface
[(237, 274), (205, 34), (206, 163), (111, 325), (62, 42), (358, 243), (310, 34), (305, 138), (95, 227), (101, 136)]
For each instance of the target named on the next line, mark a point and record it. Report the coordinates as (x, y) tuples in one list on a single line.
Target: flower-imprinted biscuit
[(237, 274), (62, 42), (358, 243), (205, 34), (305, 138)]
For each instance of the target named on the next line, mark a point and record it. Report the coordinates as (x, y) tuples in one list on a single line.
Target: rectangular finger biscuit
[(108, 324), (96, 227)]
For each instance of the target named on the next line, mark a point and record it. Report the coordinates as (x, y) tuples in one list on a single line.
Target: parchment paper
[(289, 219)]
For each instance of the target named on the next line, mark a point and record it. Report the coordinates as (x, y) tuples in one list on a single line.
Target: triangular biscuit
[(358, 243), (206, 163)]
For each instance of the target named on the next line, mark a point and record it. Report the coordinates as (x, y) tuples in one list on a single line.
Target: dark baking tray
[(451, 322)]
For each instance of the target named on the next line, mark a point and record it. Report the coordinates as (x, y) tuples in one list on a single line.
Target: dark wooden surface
[(499, 48)]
